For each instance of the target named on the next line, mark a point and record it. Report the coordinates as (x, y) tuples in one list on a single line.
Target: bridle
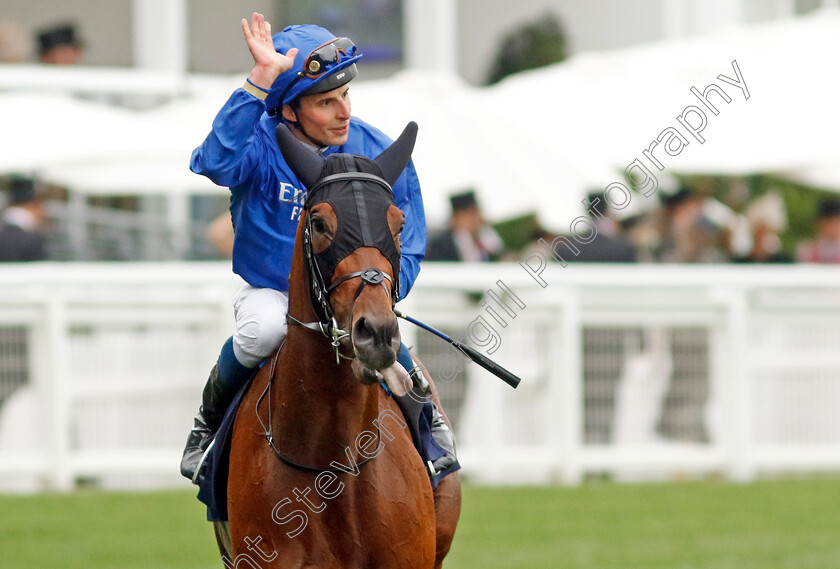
[(319, 289), (320, 292)]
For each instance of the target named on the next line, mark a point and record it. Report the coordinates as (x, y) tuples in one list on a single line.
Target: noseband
[(318, 288)]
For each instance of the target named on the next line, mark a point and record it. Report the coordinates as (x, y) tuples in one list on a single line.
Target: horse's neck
[(320, 406)]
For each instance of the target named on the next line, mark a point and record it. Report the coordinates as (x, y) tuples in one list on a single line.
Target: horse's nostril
[(375, 333), (362, 333)]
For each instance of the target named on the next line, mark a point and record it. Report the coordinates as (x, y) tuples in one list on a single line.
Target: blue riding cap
[(306, 38)]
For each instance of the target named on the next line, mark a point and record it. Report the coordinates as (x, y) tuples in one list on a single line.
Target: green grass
[(709, 525), (99, 530), (785, 524)]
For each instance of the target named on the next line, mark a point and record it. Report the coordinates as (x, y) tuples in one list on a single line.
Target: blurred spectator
[(689, 230), (21, 222), (642, 229), (534, 234), (611, 244), (59, 45), (825, 248), (15, 43), (766, 218), (468, 237)]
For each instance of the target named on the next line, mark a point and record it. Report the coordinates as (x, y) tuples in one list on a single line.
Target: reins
[(269, 436)]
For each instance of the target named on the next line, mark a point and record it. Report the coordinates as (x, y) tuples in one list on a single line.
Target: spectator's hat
[(829, 208), (64, 34), (463, 200), (21, 190), (768, 211), (597, 202)]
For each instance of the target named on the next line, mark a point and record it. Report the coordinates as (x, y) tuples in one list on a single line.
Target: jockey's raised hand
[(268, 64)]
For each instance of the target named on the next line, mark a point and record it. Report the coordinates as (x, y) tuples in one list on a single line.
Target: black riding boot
[(215, 400)]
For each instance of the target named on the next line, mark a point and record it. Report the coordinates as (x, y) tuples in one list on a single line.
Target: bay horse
[(323, 472)]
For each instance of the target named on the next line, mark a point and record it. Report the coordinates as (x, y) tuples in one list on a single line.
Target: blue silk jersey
[(266, 199)]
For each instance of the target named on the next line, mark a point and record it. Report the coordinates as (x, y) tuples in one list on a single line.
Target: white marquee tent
[(615, 104), (536, 142)]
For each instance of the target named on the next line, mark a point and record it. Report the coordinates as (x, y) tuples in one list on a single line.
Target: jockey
[(267, 200)]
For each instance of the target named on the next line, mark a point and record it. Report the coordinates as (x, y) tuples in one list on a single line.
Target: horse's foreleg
[(447, 511)]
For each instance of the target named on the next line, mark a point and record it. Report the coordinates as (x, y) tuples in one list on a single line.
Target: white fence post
[(571, 378), (741, 464), (60, 475)]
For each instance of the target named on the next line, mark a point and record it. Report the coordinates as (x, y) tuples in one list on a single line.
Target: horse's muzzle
[(376, 340)]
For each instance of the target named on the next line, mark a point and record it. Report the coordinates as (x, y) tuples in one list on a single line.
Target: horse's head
[(350, 241)]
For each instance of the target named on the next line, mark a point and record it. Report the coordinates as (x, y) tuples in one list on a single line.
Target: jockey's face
[(322, 119)]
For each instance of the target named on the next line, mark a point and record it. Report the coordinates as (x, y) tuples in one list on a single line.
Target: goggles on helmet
[(317, 62), (321, 59)]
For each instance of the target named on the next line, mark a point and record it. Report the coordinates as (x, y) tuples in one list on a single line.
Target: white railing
[(641, 371)]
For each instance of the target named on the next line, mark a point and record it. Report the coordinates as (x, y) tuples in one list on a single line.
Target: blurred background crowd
[(713, 221), (747, 216), (698, 224)]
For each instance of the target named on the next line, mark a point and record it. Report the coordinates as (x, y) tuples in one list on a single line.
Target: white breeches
[(260, 323)]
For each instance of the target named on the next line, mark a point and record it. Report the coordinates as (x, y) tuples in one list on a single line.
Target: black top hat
[(21, 190), (463, 200), (64, 34), (598, 203), (829, 208)]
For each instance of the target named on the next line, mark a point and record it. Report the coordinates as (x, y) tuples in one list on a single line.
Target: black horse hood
[(361, 208), (359, 191)]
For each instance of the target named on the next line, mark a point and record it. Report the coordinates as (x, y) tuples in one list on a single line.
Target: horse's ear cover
[(306, 165), (394, 159)]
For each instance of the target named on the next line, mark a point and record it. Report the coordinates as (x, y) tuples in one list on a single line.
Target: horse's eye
[(318, 225)]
